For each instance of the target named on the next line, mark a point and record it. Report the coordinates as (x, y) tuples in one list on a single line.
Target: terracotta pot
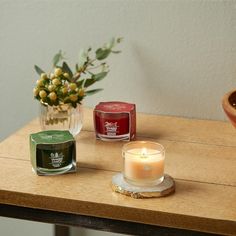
[(229, 106)]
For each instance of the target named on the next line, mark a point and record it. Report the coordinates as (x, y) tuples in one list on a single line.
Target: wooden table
[(200, 155)]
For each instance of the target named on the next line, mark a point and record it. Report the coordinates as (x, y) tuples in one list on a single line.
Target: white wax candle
[(143, 164)]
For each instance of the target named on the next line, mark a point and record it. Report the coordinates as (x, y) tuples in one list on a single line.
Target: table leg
[(60, 230)]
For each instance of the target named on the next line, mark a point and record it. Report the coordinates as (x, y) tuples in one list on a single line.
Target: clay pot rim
[(226, 104)]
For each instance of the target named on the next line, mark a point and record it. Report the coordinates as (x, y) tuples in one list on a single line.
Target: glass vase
[(61, 117)]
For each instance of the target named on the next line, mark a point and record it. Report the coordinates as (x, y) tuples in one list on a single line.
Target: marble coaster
[(165, 188)]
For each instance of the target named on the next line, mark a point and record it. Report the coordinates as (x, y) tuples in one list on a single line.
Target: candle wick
[(143, 155)]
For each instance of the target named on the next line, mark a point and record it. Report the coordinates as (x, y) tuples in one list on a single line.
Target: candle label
[(115, 121), (57, 159), (52, 157), (111, 128)]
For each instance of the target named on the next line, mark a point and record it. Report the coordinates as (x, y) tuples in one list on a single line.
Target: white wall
[(13, 227), (179, 56), (90, 232)]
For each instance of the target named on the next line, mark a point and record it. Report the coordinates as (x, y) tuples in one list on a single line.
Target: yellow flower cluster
[(65, 86), (57, 88)]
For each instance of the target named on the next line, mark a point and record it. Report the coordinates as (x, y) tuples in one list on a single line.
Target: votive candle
[(143, 163)]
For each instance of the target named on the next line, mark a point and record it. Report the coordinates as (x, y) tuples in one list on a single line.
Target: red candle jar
[(115, 121)]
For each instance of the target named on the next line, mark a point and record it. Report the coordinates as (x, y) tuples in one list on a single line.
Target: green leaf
[(59, 56), (99, 76), (111, 43), (91, 73), (73, 104), (67, 69), (38, 70), (80, 83), (119, 40), (89, 82), (56, 103), (93, 91), (116, 52), (67, 100), (102, 53), (83, 57), (94, 79), (77, 67)]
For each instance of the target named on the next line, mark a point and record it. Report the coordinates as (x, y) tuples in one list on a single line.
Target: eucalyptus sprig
[(63, 86)]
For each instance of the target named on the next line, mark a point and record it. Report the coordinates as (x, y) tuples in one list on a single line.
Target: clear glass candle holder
[(143, 163)]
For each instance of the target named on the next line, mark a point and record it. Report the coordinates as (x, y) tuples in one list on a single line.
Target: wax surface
[(140, 165)]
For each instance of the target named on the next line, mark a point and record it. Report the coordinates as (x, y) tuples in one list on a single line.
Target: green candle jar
[(53, 152)]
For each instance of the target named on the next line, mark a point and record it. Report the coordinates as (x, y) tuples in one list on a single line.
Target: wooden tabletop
[(200, 155)]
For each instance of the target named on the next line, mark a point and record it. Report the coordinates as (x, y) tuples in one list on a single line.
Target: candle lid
[(115, 107), (52, 137)]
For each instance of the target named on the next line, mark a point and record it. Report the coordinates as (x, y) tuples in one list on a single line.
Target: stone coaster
[(165, 188)]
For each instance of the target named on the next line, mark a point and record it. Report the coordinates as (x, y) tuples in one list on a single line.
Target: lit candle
[(143, 163)]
